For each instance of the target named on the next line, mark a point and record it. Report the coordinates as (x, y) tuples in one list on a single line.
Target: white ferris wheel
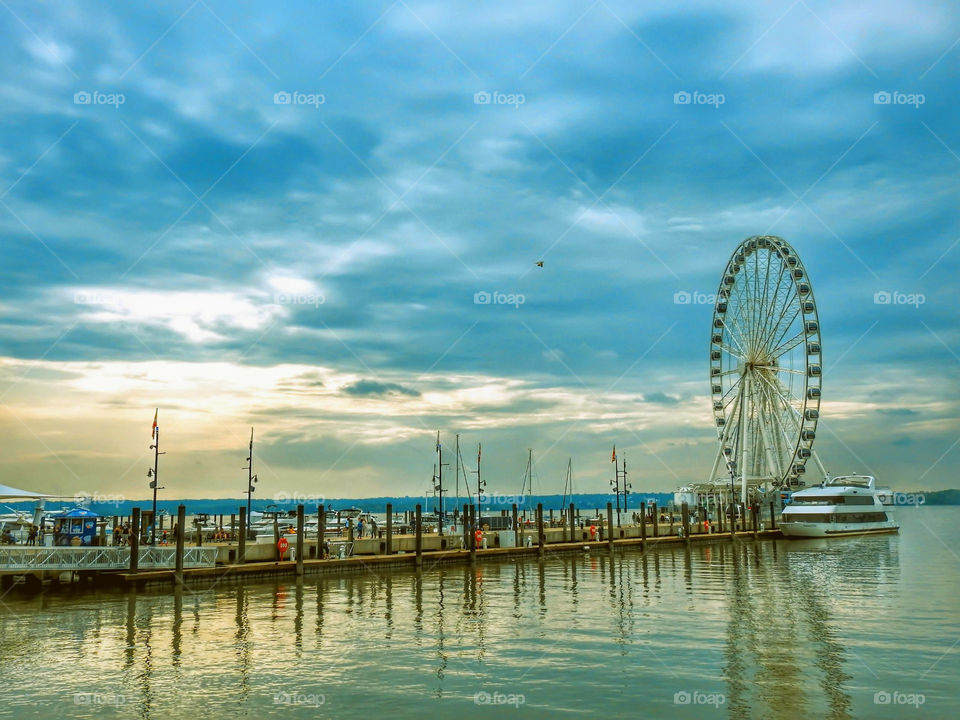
[(766, 368)]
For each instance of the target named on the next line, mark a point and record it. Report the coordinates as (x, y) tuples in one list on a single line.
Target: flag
[(614, 458), (153, 430)]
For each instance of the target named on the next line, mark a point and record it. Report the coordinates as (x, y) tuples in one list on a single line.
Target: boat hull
[(825, 530)]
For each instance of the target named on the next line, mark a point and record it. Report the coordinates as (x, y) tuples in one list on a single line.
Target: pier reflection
[(763, 623)]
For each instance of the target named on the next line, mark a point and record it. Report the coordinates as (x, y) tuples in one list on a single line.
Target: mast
[(457, 462), (479, 483), (438, 488), (251, 478), (568, 483)]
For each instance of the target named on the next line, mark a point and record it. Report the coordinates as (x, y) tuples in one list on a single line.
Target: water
[(770, 630)]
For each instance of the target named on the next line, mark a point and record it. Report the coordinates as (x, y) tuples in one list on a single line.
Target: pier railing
[(100, 558)]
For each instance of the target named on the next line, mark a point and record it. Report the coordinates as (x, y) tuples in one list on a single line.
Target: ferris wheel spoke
[(787, 306), (786, 327), (789, 344), (771, 309), (736, 353)]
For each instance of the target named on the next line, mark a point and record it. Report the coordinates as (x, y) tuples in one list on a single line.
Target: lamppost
[(251, 479), (152, 474)]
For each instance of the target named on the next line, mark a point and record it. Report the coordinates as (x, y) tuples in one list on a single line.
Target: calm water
[(771, 630)]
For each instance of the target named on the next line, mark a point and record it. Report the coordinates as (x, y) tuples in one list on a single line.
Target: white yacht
[(844, 505)]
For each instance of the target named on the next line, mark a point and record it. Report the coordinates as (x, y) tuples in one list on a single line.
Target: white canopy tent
[(12, 493)]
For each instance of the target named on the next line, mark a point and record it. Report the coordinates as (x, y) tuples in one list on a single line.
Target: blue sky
[(184, 240)]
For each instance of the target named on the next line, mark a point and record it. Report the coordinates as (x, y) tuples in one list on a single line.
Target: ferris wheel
[(766, 367)]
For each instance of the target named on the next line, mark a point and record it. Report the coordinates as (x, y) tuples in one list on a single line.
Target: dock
[(142, 566)]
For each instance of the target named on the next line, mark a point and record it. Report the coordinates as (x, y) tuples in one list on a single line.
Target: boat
[(843, 505)]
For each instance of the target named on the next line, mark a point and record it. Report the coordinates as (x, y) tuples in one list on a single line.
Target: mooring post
[(241, 536), (540, 536), (733, 519), (181, 520), (754, 517), (773, 517), (655, 516), (551, 517), (685, 522), (233, 525), (466, 526), (419, 540), (321, 529), (199, 526), (610, 525), (515, 527), (135, 540), (573, 524), (299, 540), (474, 524), (389, 548), (643, 526)]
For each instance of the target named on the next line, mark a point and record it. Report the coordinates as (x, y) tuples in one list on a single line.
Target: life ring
[(593, 531), (478, 536)]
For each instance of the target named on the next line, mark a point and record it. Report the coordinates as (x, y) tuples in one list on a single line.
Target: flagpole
[(155, 482)]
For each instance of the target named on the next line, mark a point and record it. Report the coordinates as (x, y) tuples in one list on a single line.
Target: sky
[(286, 216)]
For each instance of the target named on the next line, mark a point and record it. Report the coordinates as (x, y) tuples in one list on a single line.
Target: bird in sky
[(539, 263)]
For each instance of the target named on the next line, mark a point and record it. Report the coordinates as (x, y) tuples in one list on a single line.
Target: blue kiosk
[(75, 527)]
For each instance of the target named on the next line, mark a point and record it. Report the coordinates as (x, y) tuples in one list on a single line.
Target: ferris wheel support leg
[(744, 442), (817, 460)]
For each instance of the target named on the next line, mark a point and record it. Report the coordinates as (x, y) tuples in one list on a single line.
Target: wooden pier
[(141, 566)]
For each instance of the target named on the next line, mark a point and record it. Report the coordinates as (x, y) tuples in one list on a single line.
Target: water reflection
[(762, 622)]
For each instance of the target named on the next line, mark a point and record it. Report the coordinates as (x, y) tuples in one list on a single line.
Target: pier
[(140, 566)]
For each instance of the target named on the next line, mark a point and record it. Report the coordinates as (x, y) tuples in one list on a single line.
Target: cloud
[(363, 388)]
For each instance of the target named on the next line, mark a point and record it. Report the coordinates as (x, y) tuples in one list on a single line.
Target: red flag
[(614, 458), (153, 430)]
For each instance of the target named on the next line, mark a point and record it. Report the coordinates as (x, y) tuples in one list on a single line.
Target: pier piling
[(540, 536), (241, 536), (389, 548), (321, 529), (135, 540), (643, 526), (685, 521), (656, 520), (181, 521), (610, 525), (773, 517), (573, 523), (515, 527), (754, 518), (473, 534), (299, 540), (419, 540)]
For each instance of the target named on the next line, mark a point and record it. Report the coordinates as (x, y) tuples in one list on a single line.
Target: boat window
[(832, 500)]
